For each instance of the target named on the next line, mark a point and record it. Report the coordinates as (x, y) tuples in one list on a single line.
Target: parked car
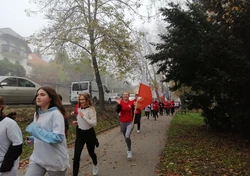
[(113, 96), (131, 96), (18, 90)]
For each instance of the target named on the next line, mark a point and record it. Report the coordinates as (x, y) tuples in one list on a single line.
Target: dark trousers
[(167, 111), (172, 110), (147, 114), (82, 137), (138, 121), (155, 114), (161, 110)]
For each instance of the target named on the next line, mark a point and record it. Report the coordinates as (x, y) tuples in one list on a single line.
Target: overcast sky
[(12, 15)]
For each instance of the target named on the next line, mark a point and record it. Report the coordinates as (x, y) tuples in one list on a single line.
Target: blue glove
[(44, 135)]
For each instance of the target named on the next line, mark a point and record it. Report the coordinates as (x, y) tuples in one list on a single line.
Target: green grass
[(192, 149)]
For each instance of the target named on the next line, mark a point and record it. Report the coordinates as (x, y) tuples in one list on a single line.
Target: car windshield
[(114, 94), (132, 95)]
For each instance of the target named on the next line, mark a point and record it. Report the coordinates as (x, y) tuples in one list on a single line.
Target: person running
[(137, 115), (167, 107), (172, 108), (86, 120), (155, 106), (50, 153), (11, 144), (151, 109), (126, 119), (75, 112), (161, 106), (147, 111)]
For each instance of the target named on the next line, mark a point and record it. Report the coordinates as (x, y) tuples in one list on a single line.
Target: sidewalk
[(112, 152)]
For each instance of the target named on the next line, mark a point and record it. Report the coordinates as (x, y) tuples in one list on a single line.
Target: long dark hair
[(2, 105), (55, 101), (2, 114)]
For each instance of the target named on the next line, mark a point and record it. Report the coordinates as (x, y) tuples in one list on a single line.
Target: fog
[(49, 70)]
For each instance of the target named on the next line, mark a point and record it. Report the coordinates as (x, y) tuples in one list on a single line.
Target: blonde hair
[(87, 99)]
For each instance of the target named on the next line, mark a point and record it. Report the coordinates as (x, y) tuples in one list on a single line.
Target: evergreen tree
[(206, 48)]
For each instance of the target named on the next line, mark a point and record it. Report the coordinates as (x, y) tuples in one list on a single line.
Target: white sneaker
[(95, 170), (138, 131), (129, 156)]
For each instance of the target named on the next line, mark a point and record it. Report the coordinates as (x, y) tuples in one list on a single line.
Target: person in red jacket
[(167, 107), (155, 109), (172, 108), (126, 108)]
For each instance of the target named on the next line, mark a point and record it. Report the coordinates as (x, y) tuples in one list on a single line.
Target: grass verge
[(192, 149)]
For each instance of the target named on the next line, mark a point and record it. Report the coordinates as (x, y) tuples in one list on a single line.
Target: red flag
[(145, 95)]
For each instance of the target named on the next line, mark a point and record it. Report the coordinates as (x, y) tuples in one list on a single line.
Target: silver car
[(17, 90)]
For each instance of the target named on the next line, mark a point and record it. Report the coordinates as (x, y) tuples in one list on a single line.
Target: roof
[(10, 32), (34, 60)]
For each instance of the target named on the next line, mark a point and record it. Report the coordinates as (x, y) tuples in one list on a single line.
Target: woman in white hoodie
[(50, 152)]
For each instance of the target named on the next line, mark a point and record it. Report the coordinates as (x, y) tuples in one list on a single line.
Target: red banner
[(145, 95)]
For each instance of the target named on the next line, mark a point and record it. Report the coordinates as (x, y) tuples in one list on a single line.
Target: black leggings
[(138, 121), (147, 114), (82, 137)]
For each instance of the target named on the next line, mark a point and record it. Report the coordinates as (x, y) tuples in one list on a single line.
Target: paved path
[(112, 152)]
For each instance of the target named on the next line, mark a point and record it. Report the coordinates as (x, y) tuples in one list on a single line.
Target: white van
[(87, 86)]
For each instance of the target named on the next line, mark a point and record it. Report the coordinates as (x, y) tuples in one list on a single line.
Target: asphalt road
[(112, 152)]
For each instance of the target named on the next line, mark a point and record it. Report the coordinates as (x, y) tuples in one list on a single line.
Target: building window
[(17, 49), (5, 46)]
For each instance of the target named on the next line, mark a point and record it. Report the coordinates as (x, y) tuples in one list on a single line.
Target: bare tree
[(96, 29), (141, 64)]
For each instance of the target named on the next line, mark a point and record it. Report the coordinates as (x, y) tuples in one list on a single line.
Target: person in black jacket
[(10, 145)]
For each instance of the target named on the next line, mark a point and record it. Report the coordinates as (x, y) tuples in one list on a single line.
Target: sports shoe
[(138, 131), (95, 169), (129, 156)]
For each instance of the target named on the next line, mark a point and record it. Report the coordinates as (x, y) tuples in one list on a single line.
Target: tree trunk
[(99, 83), (97, 73)]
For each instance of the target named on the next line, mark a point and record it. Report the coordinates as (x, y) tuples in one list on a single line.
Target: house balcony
[(12, 51)]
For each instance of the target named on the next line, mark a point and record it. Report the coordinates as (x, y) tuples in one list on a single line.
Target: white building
[(14, 47)]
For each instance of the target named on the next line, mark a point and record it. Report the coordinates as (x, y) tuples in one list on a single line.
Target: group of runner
[(48, 132), (160, 107)]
